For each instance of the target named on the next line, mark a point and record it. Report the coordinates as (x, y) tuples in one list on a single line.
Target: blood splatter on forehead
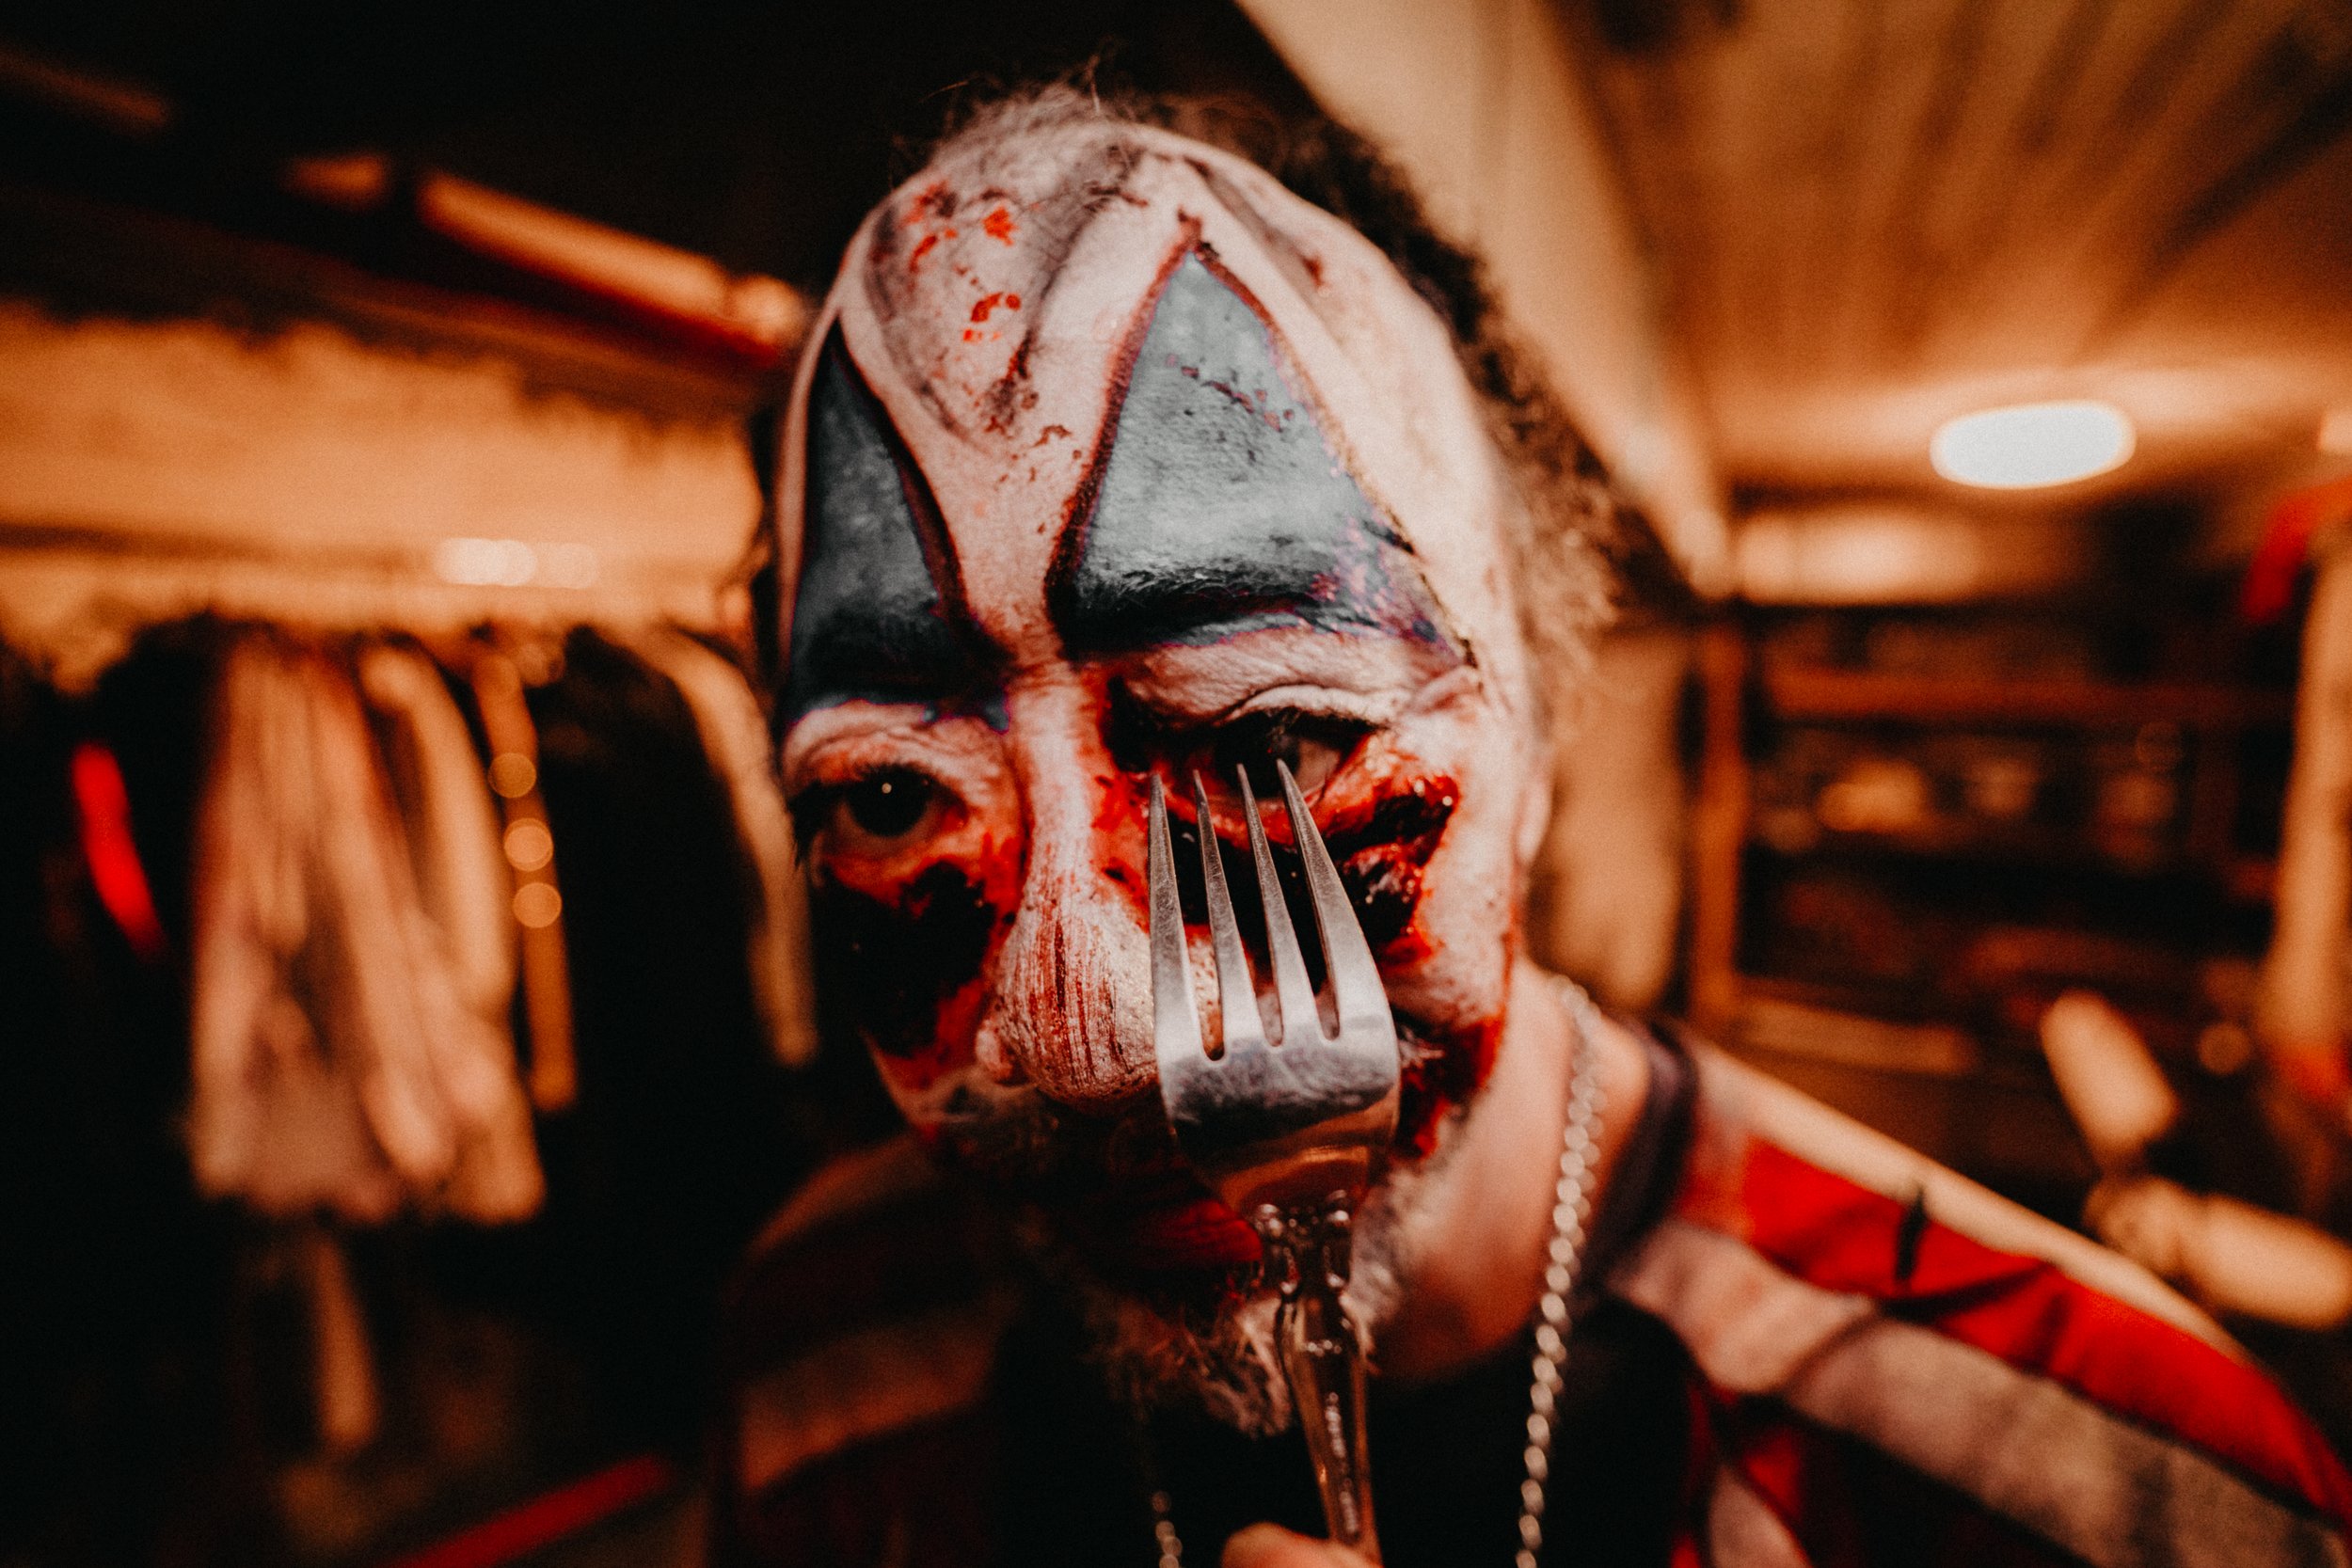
[(1216, 504), (960, 264)]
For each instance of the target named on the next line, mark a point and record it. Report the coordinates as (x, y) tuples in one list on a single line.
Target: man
[(1114, 459)]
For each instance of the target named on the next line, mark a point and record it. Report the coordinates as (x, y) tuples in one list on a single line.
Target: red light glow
[(101, 809)]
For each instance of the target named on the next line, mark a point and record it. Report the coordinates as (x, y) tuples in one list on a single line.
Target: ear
[(1537, 797), (1546, 701)]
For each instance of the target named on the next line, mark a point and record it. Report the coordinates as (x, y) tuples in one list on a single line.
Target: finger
[(1272, 1547)]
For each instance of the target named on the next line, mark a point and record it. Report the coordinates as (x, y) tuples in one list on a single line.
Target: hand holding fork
[(1289, 1133)]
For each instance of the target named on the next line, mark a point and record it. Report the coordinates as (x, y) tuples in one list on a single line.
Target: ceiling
[(1863, 215), (748, 131), (1867, 215)]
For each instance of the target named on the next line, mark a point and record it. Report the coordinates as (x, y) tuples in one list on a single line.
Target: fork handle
[(1324, 1364)]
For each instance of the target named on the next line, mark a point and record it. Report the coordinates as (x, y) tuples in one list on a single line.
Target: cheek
[(901, 958), (1383, 848), (1383, 819), (1443, 1073), (1416, 863)]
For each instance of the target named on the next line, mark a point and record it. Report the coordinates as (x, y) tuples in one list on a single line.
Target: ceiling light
[(2032, 444)]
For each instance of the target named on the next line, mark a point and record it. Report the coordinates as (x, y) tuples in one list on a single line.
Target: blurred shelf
[(1772, 1020), (1931, 883), (1803, 693), (2026, 843), (1935, 1087), (2243, 879), (2250, 879)]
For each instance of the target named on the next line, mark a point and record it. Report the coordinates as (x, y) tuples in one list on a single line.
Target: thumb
[(1272, 1547)]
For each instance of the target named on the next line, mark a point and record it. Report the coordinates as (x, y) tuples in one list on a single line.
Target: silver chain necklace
[(1564, 1260), (1571, 1214)]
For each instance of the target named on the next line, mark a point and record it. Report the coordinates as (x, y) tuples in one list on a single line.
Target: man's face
[(1102, 475)]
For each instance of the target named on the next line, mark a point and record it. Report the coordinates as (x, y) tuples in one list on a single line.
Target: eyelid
[(946, 751), (1318, 702), (838, 781), (1311, 702), (1372, 679)]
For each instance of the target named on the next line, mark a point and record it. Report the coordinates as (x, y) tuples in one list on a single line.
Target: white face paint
[(1120, 459)]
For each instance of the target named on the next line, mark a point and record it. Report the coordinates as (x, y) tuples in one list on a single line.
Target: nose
[(1072, 1008)]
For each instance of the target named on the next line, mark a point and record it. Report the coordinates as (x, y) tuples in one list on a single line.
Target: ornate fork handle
[(1288, 1125), (1308, 1250)]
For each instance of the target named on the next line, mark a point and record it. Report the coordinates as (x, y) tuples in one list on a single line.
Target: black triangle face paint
[(1220, 505), (877, 612)]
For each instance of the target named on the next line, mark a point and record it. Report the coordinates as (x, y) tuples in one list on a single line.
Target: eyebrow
[(1218, 503), (1123, 610)]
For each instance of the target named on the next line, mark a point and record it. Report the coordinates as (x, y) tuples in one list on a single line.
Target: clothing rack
[(461, 482)]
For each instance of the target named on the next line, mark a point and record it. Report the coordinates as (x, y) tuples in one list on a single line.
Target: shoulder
[(1894, 1312), (857, 1347)]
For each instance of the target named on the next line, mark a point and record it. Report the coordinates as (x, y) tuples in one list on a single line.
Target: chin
[(1168, 1278), (1177, 1317), (1200, 1339), (1113, 1190), (1165, 1235)]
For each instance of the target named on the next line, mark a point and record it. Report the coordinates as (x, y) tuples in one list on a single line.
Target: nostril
[(995, 1058), (1071, 1011)]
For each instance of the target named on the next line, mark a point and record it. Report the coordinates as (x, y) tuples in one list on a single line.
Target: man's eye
[(1312, 746), (1315, 746), (881, 809)]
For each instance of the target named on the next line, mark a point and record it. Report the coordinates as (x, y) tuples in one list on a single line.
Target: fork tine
[(1175, 1024), (1293, 992), (1238, 1017), (1357, 993)]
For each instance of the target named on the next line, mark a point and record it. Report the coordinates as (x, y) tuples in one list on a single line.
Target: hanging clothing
[(451, 829), (735, 737), (338, 1061)]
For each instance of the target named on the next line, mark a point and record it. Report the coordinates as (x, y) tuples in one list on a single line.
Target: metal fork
[(1289, 1135)]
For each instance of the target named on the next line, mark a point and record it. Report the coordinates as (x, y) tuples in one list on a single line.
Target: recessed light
[(2028, 445)]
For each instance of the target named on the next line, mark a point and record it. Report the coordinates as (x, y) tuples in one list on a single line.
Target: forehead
[(1086, 396)]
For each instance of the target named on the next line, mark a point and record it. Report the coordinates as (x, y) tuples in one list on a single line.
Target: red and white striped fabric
[(1895, 1365)]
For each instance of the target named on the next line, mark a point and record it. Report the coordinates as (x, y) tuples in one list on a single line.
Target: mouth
[(1116, 1191), (1160, 1226)]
